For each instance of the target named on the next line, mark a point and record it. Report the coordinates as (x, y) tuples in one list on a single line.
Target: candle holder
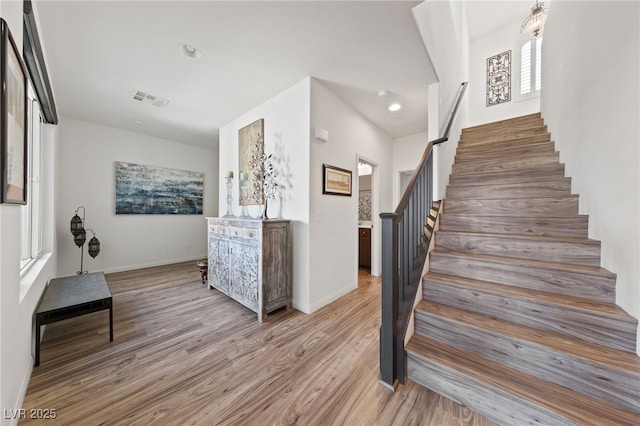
[(244, 190), (229, 180), (80, 237)]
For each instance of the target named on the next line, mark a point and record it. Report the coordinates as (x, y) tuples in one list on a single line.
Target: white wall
[(443, 28), (86, 177), (20, 294), (590, 102), (330, 222), (506, 38), (407, 152), (334, 219), (286, 128)]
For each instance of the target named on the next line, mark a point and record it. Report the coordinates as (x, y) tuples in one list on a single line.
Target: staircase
[(518, 320)]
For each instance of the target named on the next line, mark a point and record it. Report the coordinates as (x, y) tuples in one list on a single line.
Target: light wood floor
[(183, 354)]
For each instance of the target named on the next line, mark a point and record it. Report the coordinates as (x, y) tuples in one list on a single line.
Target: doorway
[(367, 215)]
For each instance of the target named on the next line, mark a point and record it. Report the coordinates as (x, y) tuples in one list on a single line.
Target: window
[(32, 211), (531, 68)]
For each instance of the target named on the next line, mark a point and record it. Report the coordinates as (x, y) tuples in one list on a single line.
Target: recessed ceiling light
[(395, 107), (190, 50)]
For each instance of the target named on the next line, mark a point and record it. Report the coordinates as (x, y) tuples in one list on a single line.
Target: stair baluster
[(404, 250)]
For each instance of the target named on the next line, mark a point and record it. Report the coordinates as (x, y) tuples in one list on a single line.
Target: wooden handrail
[(404, 251), (454, 112)]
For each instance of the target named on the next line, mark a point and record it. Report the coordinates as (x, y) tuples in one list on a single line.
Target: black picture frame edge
[(6, 40), (324, 182)]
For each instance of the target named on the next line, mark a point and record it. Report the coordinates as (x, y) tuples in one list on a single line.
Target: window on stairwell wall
[(531, 68)]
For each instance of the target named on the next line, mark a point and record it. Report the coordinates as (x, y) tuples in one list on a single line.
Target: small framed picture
[(13, 120), (336, 181)]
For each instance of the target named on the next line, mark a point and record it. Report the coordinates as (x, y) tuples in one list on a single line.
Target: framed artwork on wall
[(251, 149), (499, 78), (144, 189), (336, 181), (13, 119)]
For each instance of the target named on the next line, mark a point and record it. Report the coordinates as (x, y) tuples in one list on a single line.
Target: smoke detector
[(190, 51)]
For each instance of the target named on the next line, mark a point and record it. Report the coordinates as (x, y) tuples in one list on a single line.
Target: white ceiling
[(100, 53), (484, 17)]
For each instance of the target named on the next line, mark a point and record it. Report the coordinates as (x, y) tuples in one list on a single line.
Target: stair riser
[(497, 165), (548, 279), (503, 150), (555, 171), (580, 253), (576, 226), (534, 207), (495, 179), (512, 143), (529, 189), (586, 325), (488, 138), (527, 120), (598, 381), (504, 127), (496, 405)]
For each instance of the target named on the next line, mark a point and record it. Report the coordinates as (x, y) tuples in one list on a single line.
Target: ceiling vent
[(153, 100)]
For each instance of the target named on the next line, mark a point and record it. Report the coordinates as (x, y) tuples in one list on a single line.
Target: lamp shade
[(80, 237), (94, 247), (76, 224)]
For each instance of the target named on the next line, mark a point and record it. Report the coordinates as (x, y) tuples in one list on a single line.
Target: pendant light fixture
[(533, 26)]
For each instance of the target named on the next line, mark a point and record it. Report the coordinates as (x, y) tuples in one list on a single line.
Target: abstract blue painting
[(155, 190)]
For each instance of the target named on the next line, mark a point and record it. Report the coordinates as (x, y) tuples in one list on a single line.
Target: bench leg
[(37, 363), (111, 321)]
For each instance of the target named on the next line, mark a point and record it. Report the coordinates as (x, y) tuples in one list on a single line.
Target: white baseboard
[(152, 264), (20, 400), (331, 297)]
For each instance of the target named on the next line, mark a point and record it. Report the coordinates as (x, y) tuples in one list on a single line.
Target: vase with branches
[(264, 174)]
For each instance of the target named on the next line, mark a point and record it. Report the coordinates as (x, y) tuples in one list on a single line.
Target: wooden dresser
[(250, 261)]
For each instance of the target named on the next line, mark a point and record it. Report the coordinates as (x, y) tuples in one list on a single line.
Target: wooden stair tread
[(566, 267), (555, 197), (564, 401), (538, 238), (512, 139), (521, 189), (544, 171), (533, 218), (610, 310), (511, 180), (507, 147), (570, 197), (566, 205), (521, 157), (490, 137), (510, 145), (574, 225), (625, 362)]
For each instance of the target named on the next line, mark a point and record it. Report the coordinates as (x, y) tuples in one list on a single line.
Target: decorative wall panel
[(499, 78)]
